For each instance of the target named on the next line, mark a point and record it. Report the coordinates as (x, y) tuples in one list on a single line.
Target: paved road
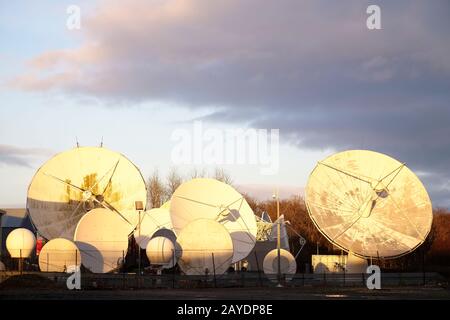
[(306, 293)]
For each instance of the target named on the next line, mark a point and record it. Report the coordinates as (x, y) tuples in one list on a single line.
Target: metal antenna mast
[(276, 196)]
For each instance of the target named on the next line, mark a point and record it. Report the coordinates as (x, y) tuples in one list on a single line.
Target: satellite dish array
[(82, 200)]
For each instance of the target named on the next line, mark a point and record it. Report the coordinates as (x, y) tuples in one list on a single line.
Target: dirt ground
[(304, 293)]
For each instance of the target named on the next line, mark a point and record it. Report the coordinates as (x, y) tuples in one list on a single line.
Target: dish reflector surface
[(161, 251), (76, 181), (58, 255), (205, 246), (214, 200), (102, 237), (20, 243), (369, 203)]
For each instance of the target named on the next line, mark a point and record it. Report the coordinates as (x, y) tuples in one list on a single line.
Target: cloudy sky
[(312, 69)]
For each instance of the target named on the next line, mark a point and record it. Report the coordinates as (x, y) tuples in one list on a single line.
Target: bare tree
[(196, 173), (173, 181), (156, 192), (223, 176)]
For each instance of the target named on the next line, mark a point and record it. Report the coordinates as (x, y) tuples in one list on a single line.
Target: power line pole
[(139, 246), (276, 196), (139, 205)]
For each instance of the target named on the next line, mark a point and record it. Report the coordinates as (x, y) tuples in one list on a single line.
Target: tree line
[(159, 189)]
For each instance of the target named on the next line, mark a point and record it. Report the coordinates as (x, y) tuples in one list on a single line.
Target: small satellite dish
[(20, 243), (161, 251), (152, 221), (368, 203), (102, 237), (214, 200), (59, 255), (79, 180), (288, 266), (206, 248)]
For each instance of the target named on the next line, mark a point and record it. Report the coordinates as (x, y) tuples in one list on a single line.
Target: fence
[(198, 269), (230, 280)]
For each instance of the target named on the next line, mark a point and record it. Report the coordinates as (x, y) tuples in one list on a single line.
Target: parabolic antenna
[(206, 248), (161, 251), (58, 255), (102, 237), (288, 266), (76, 181), (20, 243), (368, 203), (217, 201), (151, 221)]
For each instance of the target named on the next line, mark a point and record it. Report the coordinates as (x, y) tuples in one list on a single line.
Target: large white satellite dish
[(288, 265), (59, 255), (76, 181), (206, 247), (368, 203), (102, 237), (152, 221), (217, 201)]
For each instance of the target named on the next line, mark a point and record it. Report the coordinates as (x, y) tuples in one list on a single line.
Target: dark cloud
[(310, 68), (24, 157)]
